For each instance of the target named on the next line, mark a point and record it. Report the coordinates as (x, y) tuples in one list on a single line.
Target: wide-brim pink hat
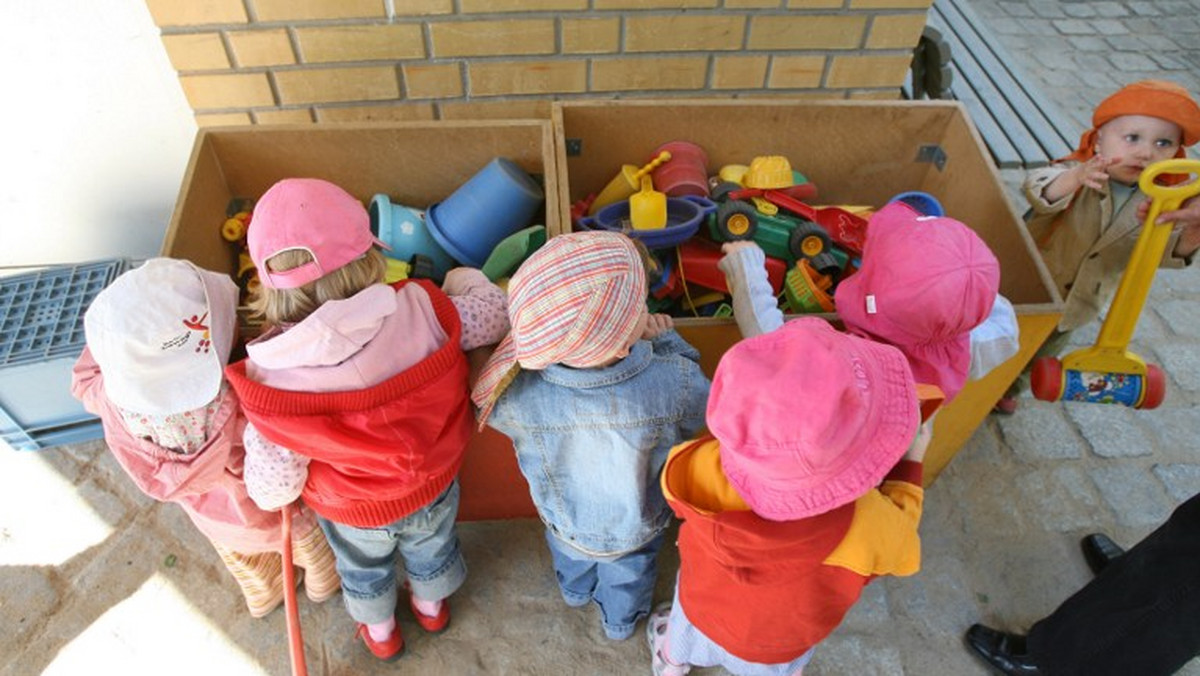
[(810, 418), (924, 283)]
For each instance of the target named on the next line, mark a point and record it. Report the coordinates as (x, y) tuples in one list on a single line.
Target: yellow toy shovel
[(1107, 372), (648, 208), (622, 185)]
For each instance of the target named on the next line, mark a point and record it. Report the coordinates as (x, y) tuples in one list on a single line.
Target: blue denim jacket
[(592, 442)]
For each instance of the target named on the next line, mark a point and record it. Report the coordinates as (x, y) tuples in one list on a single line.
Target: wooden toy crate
[(416, 164), (857, 153)]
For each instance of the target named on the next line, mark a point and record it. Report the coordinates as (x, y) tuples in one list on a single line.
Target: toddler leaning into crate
[(594, 390), (808, 488), (158, 339), (1086, 209), (927, 285), (358, 400)]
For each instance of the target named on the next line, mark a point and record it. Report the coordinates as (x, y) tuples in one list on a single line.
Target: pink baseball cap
[(312, 215), (809, 418), (924, 283)]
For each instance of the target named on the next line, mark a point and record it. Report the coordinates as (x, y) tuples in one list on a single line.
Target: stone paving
[(93, 574)]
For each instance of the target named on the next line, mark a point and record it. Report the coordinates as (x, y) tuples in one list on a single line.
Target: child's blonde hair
[(288, 306)]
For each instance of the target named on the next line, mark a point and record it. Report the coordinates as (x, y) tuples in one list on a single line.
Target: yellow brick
[(474, 6), (683, 33), (374, 83), (796, 72), (527, 77), (196, 51), (524, 109), (814, 4), (890, 4), (223, 119), (895, 31), (885, 70), (877, 94), (297, 116), (423, 8), (200, 12), (433, 81), (590, 36), (361, 43), (387, 113), (684, 72), (227, 90), (653, 4), (739, 72), (806, 32), (492, 38), (306, 10), (751, 4), (262, 48)]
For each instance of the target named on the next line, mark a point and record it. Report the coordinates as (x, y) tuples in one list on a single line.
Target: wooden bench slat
[(1029, 106)]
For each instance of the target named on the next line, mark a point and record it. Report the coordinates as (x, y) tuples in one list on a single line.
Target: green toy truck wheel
[(808, 240), (736, 221)]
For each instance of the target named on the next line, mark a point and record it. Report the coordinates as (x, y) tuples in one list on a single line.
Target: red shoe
[(436, 624), (389, 650), (1006, 406)]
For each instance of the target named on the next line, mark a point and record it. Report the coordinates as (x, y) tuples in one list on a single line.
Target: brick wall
[(285, 61)]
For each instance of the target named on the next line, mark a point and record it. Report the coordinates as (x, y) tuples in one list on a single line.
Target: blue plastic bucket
[(921, 202), (405, 230), (496, 202)]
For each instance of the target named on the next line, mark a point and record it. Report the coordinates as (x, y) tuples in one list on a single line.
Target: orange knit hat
[(1154, 98)]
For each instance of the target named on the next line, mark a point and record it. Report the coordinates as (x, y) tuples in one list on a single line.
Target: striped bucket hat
[(576, 301)]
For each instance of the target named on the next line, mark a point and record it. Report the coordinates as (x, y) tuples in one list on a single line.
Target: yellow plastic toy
[(1107, 372), (622, 186)]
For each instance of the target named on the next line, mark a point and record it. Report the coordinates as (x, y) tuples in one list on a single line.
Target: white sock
[(383, 630), (427, 608)]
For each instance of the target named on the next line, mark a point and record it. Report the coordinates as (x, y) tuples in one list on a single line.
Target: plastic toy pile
[(484, 223), (682, 215)]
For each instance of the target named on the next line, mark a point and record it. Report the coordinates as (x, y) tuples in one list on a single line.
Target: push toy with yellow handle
[(1107, 372)]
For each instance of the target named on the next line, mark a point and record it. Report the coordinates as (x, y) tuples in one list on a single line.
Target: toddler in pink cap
[(924, 285), (158, 339), (594, 391), (808, 489), (358, 399)]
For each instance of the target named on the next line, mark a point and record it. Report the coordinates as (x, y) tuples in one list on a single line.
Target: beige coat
[(1088, 250)]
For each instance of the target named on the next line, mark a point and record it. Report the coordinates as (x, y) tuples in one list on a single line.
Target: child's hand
[(1094, 172), (656, 324), (730, 247), (916, 452)]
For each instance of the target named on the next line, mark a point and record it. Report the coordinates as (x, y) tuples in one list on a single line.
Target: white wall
[(95, 132)]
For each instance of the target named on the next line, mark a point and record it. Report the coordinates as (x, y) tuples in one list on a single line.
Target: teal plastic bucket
[(406, 231), (497, 201)]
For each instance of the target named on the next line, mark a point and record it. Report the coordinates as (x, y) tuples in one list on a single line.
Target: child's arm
[(84, 377), (482, 307), (1089, 174), (274, 475), (754, 305)]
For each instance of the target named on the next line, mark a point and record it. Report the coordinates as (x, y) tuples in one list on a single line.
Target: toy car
[(746, 214)]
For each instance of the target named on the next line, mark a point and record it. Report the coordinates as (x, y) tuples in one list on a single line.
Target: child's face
[(1137, 141)]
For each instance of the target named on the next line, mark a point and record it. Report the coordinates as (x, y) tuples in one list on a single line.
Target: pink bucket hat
[(161, 334), (809, 418), (575, 301), (925, 282), (311, 215)]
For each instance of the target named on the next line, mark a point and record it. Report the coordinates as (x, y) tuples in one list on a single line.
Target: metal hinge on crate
[(932, 153)]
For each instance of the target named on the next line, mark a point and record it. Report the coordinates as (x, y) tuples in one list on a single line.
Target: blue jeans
[(425, 540), (622, 586)]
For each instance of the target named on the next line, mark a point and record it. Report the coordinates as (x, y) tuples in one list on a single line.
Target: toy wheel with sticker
[(808, 240), (1046, 379), (736, 221), (1155, 387), (721, 189)]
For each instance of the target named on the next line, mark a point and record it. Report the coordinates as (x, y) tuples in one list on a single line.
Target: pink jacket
[(207, 484)]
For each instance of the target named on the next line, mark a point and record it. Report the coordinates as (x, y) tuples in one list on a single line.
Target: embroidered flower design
[(197, 324)]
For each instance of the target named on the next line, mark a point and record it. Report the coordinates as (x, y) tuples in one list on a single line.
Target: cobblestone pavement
[(94, 574)]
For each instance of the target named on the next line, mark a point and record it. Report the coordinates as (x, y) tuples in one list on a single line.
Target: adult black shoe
[(1099, 551), (1004, 651)]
